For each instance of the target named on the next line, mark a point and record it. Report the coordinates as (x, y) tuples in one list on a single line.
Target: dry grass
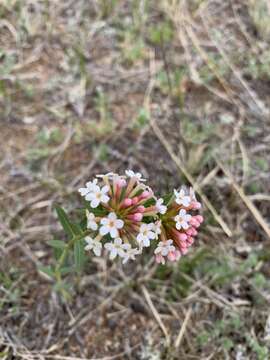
[(178, 90)]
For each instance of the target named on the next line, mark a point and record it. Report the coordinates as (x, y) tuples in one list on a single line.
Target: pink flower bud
[(135, 200), (127, 202), (174, 255), (182, 236), (190, 240), (160, 259), (171, 256), (196, 205), (121, 183), (199, 218), (183, 245), (195, 232), (184, 251), (194, 222), (136, 217), (140, 208), (144, 195), (189, 231), (197, 224)]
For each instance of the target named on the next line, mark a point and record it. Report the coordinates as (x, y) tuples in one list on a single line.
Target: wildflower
[(174, 255), (93, 244), (164, 247), (182, 220), (178, 228), (181, 198), (111, 225), (117, 248), (130, 254), (160, 259), (98, 195), (133, 175), (91, 221), (160, 207), (146, 234), (90, 186), (129, 218)]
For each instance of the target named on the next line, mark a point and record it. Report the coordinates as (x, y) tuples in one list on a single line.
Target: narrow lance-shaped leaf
[(79, 253), (67, 225), (57, 244)]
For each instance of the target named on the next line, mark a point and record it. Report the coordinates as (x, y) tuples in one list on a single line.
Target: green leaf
[(48, 270), (168, 198), (150, 202), (58, 244), (79, 254), (63, 218)]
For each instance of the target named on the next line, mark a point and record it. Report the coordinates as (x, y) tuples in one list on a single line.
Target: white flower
[(181, 198), (94, 245), (90, 186), (146, 234), (164, 247), (110, 225), (130, 254), (182, 220), (132, 174), (161, 208), (98, 195), (117, 248), (91, 221)]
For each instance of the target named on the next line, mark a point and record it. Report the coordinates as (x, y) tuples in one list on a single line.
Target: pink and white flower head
[(124, 217), (178, 226), (118, 213)]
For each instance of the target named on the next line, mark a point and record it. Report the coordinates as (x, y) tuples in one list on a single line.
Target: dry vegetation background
[(178, 89)]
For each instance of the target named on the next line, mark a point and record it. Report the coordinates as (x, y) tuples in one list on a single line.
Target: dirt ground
[(176, 89)]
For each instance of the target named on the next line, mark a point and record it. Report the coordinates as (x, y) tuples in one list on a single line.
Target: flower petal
[(112, 216), (105, 189), (104, 230), (119, 223), (114, 232), (105, 199)]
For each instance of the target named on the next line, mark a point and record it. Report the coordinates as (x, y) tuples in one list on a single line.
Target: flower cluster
[(178, 226), (124, 217)]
